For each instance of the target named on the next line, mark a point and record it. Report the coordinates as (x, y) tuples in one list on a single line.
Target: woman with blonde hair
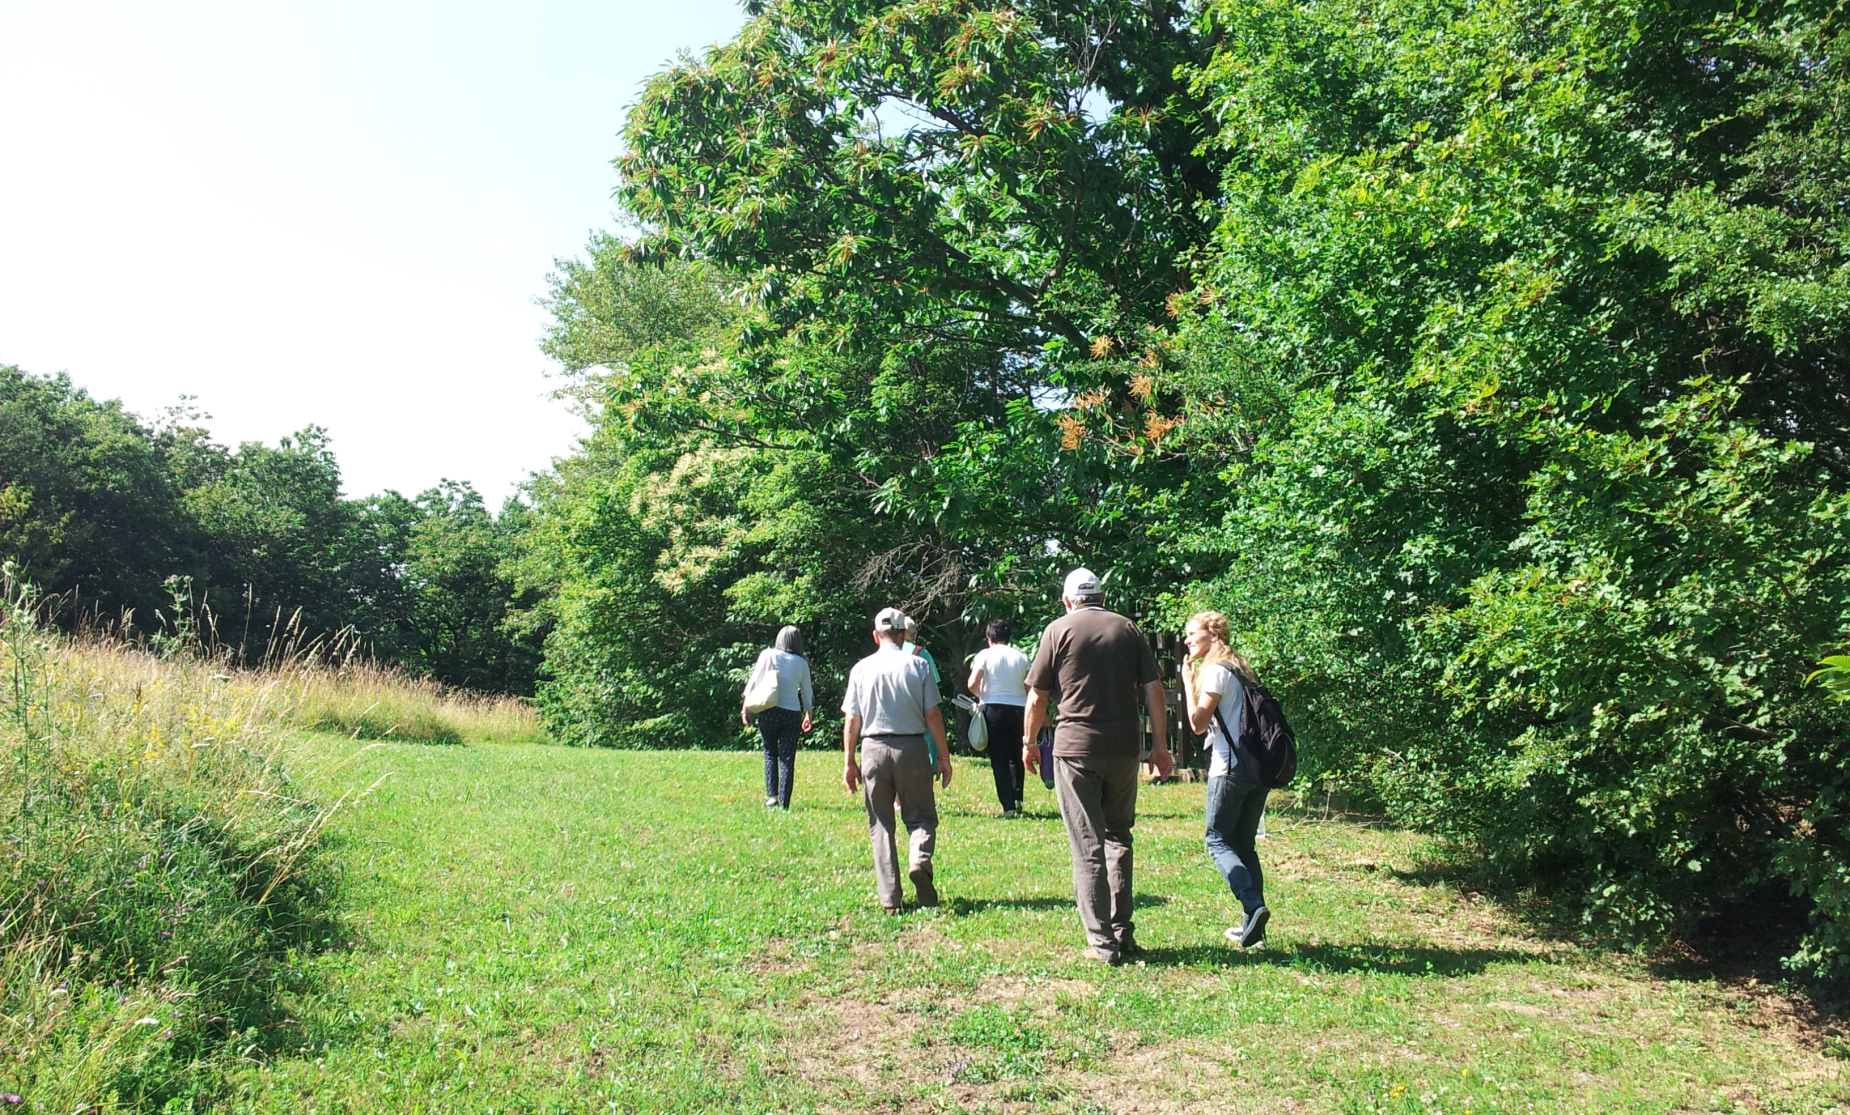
[(1214, 681)]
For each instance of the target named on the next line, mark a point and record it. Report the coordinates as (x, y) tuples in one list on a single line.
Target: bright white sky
[(335, 212)]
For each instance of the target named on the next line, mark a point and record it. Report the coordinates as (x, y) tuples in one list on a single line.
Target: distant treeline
[(103, 508)]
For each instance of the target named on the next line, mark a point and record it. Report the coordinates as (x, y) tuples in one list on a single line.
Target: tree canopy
[(1003, 176)]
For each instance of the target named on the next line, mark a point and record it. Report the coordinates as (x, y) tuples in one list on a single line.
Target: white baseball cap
[(1081, 582), (890, 621)]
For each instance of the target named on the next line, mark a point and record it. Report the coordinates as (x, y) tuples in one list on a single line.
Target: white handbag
[(761, 693)]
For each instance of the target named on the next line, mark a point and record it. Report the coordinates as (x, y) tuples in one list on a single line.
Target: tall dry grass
[(162, 875), (330, 683), (367, 701)]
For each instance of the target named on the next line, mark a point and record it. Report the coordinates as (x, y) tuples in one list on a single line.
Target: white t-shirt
[(1222, 682), (1005, 675)]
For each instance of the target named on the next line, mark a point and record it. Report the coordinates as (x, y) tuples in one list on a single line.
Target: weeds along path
[(540, 929)]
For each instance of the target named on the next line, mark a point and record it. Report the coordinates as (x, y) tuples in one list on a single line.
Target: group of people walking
[(1098, 670)]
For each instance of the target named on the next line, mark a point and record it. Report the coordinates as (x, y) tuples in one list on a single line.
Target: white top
[(890, 691), (793, 688), (1222, 682), (1005, 675)]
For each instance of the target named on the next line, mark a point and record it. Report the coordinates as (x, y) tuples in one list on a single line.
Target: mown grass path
[(540, 929)]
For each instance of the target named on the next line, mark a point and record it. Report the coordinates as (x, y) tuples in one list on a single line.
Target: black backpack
[(1265, 739)]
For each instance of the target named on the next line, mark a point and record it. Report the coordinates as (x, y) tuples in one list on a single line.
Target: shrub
[(160, 873), (1526, 325)]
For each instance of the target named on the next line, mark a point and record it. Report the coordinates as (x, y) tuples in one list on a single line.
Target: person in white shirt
[(999, 678), (781, 726), (1214, 692)]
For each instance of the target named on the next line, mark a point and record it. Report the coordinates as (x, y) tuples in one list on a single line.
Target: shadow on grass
[(964, 907), (1385, 960), (990, 811), (1744, 943), (1740, 940), (1291, 815)]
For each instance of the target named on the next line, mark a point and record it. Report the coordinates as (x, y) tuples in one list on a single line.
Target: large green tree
[(740, 478), (278, 539), (1001, 175), (686, 531), (457, 618), (949, 219)]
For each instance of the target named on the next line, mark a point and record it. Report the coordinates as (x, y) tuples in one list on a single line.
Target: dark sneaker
[(1103, 956), (1253, 931), (893, 911), (921, 881), (1129, 949)]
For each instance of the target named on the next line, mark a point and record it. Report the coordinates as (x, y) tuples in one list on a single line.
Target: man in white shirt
[(891, 711), (998, 677)]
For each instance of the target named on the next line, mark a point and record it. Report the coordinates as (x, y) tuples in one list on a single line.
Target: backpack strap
[(1233, 745), (1235, 749)]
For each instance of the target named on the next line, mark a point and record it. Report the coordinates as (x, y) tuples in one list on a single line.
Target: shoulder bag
[(761, 691)]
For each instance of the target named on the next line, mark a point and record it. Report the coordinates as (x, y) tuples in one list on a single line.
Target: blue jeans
[(781, 729), (1235, 805)]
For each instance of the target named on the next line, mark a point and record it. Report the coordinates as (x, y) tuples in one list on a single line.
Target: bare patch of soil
[(866, 1055), (777, 958)]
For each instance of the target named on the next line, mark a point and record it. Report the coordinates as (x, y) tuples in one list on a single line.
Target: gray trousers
[(897, 769), (1098, 802)]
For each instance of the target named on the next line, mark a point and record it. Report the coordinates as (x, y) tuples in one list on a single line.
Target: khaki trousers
[(897, 769), (1098, 802)]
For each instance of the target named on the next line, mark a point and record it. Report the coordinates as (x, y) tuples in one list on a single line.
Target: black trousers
[(781, 729), (1004, 723)]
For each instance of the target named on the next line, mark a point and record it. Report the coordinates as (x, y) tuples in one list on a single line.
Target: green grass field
[(538, 929)]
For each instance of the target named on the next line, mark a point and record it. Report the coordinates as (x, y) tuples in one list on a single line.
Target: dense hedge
[(1548, 527)]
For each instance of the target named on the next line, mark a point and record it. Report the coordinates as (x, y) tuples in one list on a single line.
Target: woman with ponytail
[(1214, 681)]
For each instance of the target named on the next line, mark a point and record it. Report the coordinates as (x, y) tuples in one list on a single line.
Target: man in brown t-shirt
[(1100, 665)]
